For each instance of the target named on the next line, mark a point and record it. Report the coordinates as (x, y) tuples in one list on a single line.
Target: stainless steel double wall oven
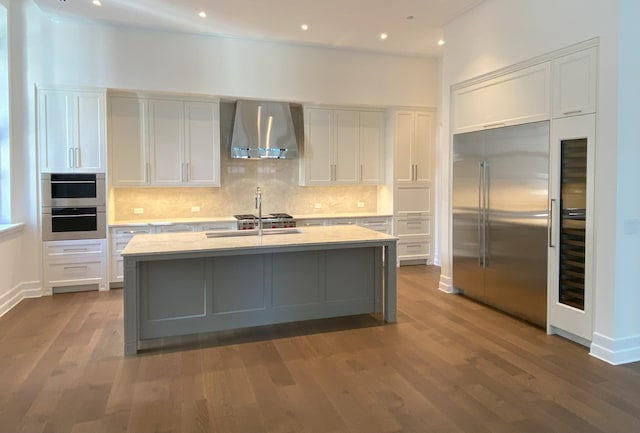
[(73, 206)]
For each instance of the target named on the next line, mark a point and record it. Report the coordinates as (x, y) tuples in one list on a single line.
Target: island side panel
[(131, 336), (173, 296), (390, 276)]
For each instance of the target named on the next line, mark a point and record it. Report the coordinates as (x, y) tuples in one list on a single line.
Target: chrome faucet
[(259, 207)]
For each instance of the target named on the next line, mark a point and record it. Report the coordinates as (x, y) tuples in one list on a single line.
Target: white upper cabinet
[(343, 146), (414, 146), (511, 99), (71, 130), (128, 144), (202, 143), (164, 141), (372, 147), (346, 163), (317, 164), (574, 83)]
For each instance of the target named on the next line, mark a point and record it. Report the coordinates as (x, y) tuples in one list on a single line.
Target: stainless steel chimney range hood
[(263, 129)]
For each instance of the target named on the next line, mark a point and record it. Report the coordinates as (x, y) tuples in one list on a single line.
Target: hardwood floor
[(448, 365)]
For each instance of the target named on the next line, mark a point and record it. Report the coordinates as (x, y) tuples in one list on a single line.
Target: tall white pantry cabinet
[(414, 156)]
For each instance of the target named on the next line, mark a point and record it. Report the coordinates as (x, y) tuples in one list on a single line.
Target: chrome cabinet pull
[(567, 113), (77, 156)]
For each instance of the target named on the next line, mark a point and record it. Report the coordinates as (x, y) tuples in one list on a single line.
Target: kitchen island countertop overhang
[(189, 283)]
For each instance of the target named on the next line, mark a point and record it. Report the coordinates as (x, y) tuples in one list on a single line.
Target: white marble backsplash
[(278, 180)]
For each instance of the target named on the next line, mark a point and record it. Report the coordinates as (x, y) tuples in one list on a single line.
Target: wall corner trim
[(446, 285), (615, 351), (18, 293)]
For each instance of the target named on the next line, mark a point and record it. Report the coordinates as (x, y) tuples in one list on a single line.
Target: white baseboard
[(615, 351), (446, 285), (18, 293)]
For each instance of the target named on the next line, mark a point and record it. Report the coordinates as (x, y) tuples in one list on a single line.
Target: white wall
[(20, 250), (500, 33), (105, 56)]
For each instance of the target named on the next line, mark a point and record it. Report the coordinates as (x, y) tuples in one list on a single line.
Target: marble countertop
[(230, 218), (170, 243)]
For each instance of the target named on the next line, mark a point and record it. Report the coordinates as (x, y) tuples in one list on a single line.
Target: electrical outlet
[(195, 208), (138, 210), (360, 204), (317, 205)]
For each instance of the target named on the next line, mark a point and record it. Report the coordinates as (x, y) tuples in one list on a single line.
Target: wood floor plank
[(449, 365)]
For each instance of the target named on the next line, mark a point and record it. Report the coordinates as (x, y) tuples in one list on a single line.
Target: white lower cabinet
[(75, 265), (310, 222), (217, 226), (175, 228), (413, 220), (118, 239), (379, 224)]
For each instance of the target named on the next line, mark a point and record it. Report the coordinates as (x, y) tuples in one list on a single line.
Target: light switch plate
[(317, 205), (195, 208), (138, 210), (360, 204)]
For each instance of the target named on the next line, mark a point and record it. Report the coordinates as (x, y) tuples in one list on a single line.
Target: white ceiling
[(337, 23)]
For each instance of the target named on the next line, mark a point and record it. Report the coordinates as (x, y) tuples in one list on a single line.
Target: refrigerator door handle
[(485, 211), (551, 203), (480, 213)]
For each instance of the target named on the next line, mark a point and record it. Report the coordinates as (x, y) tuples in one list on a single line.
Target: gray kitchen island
[(190, 283)]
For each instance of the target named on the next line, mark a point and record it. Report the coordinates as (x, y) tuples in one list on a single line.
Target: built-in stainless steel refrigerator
[(500, 213)]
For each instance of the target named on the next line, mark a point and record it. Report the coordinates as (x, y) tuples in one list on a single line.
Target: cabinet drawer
[(74, 272), (174, 228), (118, 244), (310, 223), (413, 226), (409, 249), (413, 199), (66, 249), (130, 231), (342, 221), (382, 224), (217, 226), (117, 269)]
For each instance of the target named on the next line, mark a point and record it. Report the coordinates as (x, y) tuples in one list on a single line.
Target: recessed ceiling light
[(441, 42), (383, 36), (202, 14), (304, 27), (97, 2)]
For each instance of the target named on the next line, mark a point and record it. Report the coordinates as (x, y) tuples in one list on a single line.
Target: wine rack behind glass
[(573, 222)]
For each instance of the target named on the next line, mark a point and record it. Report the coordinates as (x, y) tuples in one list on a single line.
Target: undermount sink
[(237, 233)]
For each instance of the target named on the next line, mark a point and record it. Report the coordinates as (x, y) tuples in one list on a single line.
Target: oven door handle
[(72, 181), (75, 216)]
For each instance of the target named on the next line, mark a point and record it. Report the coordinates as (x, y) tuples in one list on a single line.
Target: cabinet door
[(403, 144), (128, 141), (166, 142), (89, 132), (202, 143), (574, 84), (372, 147), (346, 144), (318, 146), (512, 99), (54, 125), (422, 150)]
